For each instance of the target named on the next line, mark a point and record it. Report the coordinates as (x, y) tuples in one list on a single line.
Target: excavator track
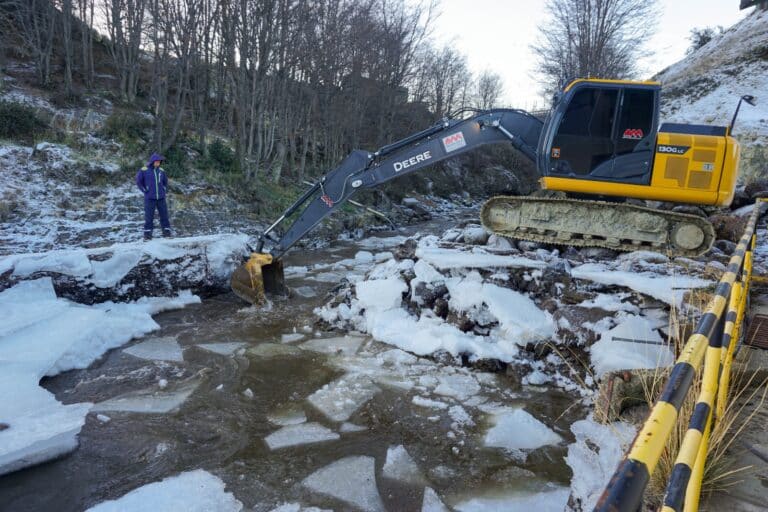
[(584, 223)]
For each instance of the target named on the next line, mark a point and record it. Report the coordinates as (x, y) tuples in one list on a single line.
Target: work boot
[(166, 233), (147, 238)]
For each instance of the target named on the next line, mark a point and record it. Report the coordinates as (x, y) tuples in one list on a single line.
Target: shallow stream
[(167, 405)]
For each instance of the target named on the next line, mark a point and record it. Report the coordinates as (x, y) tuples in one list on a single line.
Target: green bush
[(175, 161), (221, 157), (19, 122), (126, 126)]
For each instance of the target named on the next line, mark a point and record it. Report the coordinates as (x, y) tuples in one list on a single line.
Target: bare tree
[(592, 38), (35, 23), (489, 89)]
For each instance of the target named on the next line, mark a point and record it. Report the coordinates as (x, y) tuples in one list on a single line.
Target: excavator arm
[(366, 170)]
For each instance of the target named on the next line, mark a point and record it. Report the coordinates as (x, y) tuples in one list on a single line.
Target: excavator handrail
[(363, 169)]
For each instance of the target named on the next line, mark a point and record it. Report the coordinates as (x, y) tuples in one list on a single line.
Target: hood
[(154, 158)]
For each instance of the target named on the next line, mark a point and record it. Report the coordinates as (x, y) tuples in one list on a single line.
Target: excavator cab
[(603, 138)]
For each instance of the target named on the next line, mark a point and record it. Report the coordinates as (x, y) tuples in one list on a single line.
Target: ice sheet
[(295, 435), (351, 480), (193, 491)]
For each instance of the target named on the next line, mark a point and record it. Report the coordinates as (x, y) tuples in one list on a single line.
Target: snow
[(553, 500), (192, 491), (339, 400), (222, 253), (594, 456), (632, 344), (444, 259), (351, 480), (157, 349), (515, 430), (44, 335), (148, 401), (301, 434), (291, 337), (432, 502), (518, 316), (669, 289), (382, 294), (610, 302), (400, 466)]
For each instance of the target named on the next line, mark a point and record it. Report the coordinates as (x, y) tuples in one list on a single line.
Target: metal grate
[(757, 334)]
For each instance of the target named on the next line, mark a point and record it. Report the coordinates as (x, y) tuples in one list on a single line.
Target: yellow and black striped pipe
[(625, 490)]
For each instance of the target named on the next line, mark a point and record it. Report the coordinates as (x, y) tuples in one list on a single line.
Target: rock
[(725, 246), (499, 242), (740, 198), (728, 227), (429, 294), (475, 235), (755, 189), (714, 269), (526, 245), (599, 253), (410, 202), (554, 274), (406, 250), (441, 308)]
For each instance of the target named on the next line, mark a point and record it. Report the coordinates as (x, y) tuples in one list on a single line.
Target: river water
[(224, 405)]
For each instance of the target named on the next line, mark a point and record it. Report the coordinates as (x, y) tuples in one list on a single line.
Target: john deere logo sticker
[(674, 150), (454, 142)]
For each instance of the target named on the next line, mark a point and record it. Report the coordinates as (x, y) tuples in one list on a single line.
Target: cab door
[(603, 131)]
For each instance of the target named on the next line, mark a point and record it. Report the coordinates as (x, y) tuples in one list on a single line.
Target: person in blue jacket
[(153, 182)]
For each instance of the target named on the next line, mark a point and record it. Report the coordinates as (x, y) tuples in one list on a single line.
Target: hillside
[(706, 86)]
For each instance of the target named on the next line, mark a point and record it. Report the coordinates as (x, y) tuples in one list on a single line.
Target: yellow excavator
[(603, 138)]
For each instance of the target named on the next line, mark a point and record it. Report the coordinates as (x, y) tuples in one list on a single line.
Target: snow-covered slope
[(706, 86)]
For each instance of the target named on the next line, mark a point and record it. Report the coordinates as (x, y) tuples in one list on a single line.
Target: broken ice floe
[(45, 335), (295, 435), (339, 400), (292, 337), (269, 350), (432, 502), (515, 430), (287, 416), (346, 345), (224, 349), (193, 491), (157, 349), (348, 428), (351, 480), (400, 466), (458, 385), (552, 500), (149, 401)]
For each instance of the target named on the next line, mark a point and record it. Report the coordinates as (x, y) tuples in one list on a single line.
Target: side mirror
[(750, 99)]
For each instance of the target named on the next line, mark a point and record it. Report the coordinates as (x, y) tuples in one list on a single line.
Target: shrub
[(126, 126), (175, 161), (221, 157), (701, 36), (19, 122)]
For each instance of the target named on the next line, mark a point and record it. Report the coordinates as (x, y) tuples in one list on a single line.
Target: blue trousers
[(150, 205)]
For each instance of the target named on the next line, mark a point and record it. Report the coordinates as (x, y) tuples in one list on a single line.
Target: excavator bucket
[(257, 276)]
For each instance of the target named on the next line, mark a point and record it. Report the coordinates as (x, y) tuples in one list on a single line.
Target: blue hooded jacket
[(152, 181)]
